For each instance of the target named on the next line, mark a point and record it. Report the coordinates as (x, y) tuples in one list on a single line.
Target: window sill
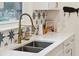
[(9, 22)]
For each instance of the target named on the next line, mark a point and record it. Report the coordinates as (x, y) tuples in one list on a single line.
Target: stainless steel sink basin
[(35, 46), (38, 44), (29, 49)]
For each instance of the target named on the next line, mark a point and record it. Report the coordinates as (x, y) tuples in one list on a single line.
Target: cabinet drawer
[(69, 41), (72, 40)]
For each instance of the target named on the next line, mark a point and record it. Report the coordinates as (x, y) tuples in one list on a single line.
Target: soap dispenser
[(45, 29), (27, 33)]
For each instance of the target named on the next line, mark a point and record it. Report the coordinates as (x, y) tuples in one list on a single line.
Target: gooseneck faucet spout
[(20, 30)]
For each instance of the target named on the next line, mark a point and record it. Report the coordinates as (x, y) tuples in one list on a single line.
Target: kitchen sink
[(29, 49), (34, 46), (38, 44)]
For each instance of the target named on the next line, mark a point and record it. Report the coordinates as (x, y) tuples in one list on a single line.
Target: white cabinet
[(27, 7), (69, 47), (53, 5), (58, 51), (40, 5), (64, 49), (45, 6)]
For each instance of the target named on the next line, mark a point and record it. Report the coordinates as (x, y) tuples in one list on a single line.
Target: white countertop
[(57, 38)]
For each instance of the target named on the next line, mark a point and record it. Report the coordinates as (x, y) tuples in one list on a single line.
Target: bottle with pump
[(27, 34)]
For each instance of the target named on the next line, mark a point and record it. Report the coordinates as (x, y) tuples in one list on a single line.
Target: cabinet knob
[(67, 44), (68, 51)]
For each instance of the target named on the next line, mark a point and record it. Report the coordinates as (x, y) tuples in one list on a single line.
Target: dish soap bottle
[(45, 29)]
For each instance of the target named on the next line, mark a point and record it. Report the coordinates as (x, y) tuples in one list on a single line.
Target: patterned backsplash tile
[(6, 37), (9, 37), (1, 38)]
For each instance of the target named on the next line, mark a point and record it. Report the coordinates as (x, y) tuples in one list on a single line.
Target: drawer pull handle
[(72, 40)]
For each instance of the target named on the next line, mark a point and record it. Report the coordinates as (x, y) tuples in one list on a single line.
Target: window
[(10, 12)]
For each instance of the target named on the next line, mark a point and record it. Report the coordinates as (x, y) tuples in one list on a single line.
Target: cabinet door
[(27, 7), (58, 51), (52, 5), (40, 6)]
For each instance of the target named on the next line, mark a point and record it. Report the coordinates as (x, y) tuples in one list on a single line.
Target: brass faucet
[(20, 30)]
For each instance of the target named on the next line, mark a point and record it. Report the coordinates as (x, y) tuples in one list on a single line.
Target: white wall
[(71, 23)]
